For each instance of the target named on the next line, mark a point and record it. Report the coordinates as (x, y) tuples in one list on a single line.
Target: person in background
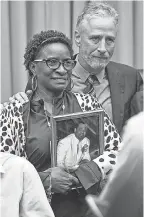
[(25, 129), (73, 149), (22, 193), (123, 194)]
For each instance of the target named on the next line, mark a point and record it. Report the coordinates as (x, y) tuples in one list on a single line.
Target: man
[(73, 149), (22, 193), (114, 84), (123, 194)]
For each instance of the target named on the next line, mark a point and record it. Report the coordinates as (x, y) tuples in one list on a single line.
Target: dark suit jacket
[(137, 103), (124, 82), (137, 100)]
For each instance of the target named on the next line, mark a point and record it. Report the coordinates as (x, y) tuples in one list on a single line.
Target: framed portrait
[(76, 138)]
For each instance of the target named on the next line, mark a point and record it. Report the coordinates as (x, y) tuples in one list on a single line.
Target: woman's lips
[(59, 78)]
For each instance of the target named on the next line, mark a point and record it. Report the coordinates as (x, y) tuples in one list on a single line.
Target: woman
[(26, 129)]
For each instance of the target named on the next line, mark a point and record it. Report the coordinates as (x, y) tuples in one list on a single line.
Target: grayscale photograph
[(71, 108)]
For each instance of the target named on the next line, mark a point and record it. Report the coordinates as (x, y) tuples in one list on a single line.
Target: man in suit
[(114, 84)]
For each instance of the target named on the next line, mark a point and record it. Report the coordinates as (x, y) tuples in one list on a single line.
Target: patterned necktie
[(90, 81)]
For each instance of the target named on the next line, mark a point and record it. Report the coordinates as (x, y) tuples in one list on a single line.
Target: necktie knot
[(92, 79)]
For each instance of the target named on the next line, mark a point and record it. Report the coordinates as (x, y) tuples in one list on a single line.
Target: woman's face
[(52, 80)]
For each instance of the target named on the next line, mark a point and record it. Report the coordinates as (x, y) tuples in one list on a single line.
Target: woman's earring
[(34, 83), (71, 83)]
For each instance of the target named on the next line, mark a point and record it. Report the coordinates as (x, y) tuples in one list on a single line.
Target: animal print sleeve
[(12, 129), (112, 146)]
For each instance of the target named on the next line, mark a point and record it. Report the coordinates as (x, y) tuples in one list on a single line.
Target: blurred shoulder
[(13, 160), (17, 166), (133, 133), (136, 123)]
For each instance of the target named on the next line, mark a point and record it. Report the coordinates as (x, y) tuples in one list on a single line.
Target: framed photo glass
[(76, 138)]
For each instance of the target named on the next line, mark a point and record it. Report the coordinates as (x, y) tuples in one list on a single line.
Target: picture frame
[(63, 126)]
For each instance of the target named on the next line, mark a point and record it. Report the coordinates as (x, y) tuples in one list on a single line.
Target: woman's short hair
[(40, 40), (99, 9)]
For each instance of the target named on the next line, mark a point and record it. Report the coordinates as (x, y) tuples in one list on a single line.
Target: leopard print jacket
[(12, 129), (13, 137)]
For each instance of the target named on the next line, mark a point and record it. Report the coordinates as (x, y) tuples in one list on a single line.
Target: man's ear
[(32, 67), (77, 38)]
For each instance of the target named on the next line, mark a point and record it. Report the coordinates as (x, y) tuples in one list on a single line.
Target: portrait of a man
[(77, 138), (74, 148)]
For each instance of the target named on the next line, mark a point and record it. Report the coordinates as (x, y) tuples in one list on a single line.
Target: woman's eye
[(53, 61)]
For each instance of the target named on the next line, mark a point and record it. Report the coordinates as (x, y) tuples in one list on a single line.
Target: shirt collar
[(39, 99), (83, 74)]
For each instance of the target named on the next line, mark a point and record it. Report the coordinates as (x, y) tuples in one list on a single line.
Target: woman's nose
[(61, 69)]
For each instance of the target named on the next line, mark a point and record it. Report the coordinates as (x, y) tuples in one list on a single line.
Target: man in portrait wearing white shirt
[(73, 149)]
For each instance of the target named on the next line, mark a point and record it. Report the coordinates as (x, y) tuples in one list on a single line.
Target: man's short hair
[(94, 8)]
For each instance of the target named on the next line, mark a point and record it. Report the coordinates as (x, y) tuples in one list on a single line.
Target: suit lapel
[(116, 82)]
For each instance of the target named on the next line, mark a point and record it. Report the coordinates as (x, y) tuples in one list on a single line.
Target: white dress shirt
[(70, 152), (21, 193)]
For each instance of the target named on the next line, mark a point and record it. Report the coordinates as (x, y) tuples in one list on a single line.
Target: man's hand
[(72, 169), (61, 180), (22, 97)]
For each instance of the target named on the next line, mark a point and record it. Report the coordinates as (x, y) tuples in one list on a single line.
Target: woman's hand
[(61, 180)]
